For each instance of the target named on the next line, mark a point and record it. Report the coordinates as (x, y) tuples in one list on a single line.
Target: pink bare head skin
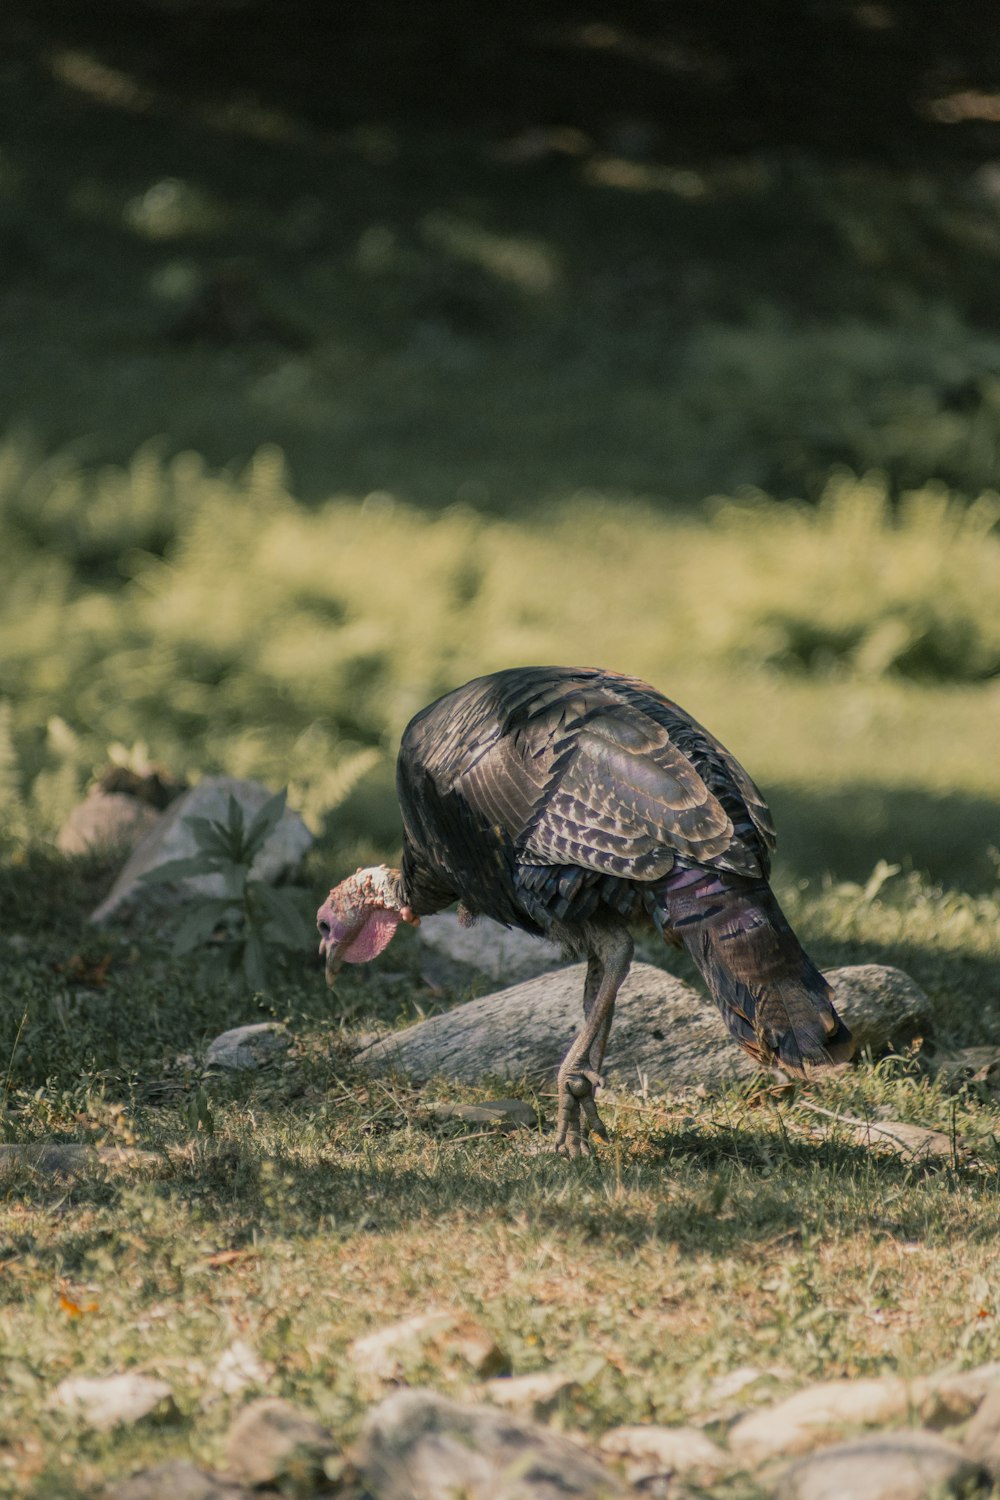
[(360, 916)]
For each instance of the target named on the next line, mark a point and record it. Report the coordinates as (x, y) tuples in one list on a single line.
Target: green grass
[(845, 652), (305, 425), (712, 1233)]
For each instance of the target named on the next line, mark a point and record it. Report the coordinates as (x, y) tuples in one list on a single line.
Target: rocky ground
[(885, 1439)]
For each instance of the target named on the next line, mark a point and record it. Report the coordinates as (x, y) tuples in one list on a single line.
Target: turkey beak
[(334, 955)]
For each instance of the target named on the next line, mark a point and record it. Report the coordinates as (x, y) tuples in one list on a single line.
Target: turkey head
[(359, 917)]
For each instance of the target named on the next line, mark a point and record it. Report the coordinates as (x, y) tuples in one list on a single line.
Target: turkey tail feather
[(772, 997)]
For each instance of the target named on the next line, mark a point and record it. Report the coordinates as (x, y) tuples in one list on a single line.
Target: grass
[(712, 1234), (305, 421), (844, 651)]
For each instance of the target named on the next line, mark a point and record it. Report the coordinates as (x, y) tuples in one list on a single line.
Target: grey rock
[(662, 1029), (967, 1065), (913, 1142), (272, 1441), (247, 1046), (107, 823), (106, 1401), (536, 1395), (946, 1398), (437, 1337), (883, 1006), (813, 1414), (665, 1033), (69, 1157), (170, 840), (907, 1465), (982, 1436), (503, 954), (238, 1367), (649, 1451), (716, 1400), (417, 1445), (177, 1480)]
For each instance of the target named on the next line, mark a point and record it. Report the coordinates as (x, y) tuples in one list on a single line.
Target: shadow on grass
[(847, 830), (708, 1191)]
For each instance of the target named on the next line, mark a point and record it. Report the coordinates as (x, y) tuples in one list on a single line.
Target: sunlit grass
[(224, 626), (849, 644)]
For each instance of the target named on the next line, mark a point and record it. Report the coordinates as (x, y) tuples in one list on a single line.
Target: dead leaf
[(230, 1257), (74, 1309), (87, 971)]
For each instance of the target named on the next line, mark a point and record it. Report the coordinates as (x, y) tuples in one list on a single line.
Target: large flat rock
[(665, 1033)]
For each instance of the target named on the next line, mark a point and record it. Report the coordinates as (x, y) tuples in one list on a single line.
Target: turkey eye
[(324, 926)]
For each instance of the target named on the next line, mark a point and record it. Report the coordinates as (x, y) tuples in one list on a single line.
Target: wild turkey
[(576, 803)]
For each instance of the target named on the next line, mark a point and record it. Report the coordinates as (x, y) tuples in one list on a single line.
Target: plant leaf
[(234, 876), (199, 924), (286, 924), (211, 836), (265, 822), (235, 825), (178, 869), (253, 962)]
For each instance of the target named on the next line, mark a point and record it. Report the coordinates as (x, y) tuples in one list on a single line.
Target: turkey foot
[(578, 1116)]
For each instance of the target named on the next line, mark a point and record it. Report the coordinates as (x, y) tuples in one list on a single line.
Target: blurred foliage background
[(351, 351)]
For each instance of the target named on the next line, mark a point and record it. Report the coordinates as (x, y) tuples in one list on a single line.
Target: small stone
[(982, 1436), (106, 823), (732, 1382), (508, 1113), (914, 1142), (715, 1402), (416, 1445), (946, 1400), (811, 1415), (385, 1356), (273, 1442), (649, 1452), (247, 1046), (537, 1395), (238, 1367), (888, 1466), (107, 1401), (967, 1065), (178, 1480)]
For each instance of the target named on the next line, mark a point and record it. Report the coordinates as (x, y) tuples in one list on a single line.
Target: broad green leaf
[(253, 962), (211, 836), (199, 924), (178, 869), (265, 822), (235, 825), (234, 876), (286, 924)]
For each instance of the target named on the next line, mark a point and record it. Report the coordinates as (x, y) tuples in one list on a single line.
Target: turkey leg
[(579, 1076)]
